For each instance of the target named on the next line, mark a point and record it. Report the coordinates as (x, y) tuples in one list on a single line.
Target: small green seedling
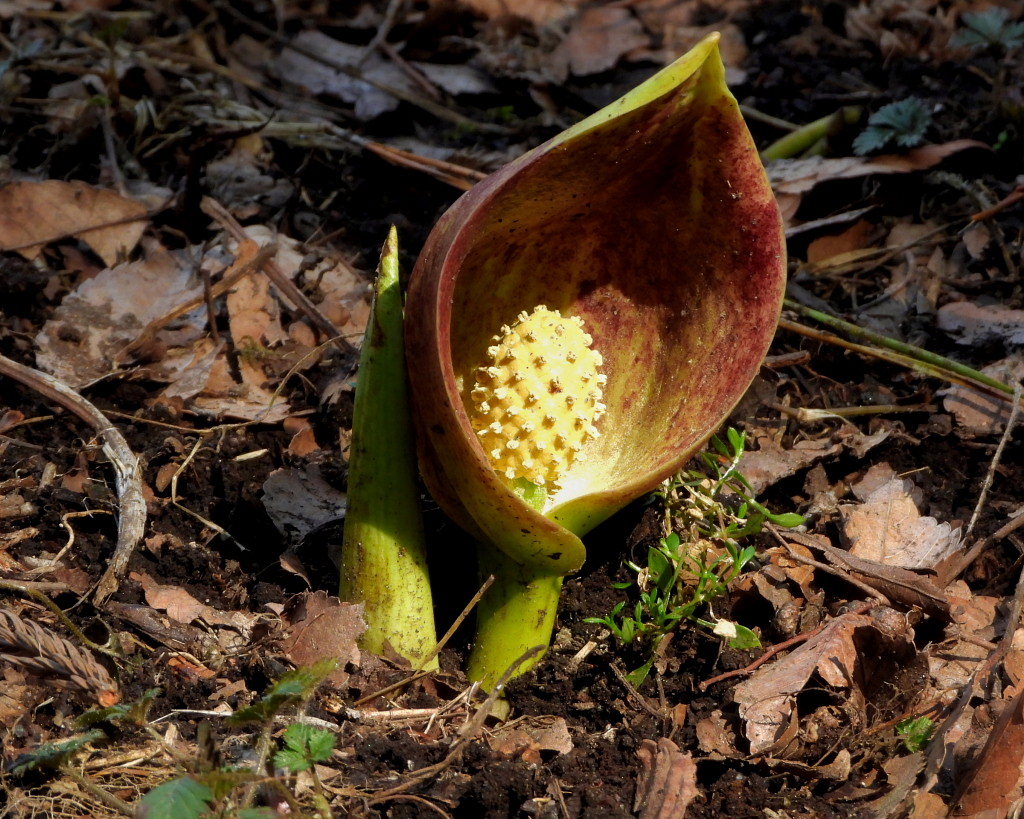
[(991, 29), (293, 688), (228, 792), (903, 123), (916, 733), (305, 745), (714, 510)]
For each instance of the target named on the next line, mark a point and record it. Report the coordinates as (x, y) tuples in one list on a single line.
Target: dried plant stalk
[(40, 651)]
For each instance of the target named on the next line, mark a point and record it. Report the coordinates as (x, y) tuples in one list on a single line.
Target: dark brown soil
[(607, 719)]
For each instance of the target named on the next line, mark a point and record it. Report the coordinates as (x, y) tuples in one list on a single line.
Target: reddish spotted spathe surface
[(654, 222)]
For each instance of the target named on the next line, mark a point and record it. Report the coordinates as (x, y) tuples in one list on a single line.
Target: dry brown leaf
[(103, 314), (995, 785), (980, 414), (766, 700), (851, 240), (1013, 662), (318, 626), (717, 736), (33, 214), (976, 325), (888, 528), (320, 78), (540, 12), (184, 608), (667, 783), (952, 662), (15, 692), (791, 178), (527, 737), (597, 40), (770, 463), (254, 318), (300, 500), (303, 441)]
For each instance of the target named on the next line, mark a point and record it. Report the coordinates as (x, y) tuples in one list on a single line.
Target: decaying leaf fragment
[(32, 214), (768, 698)]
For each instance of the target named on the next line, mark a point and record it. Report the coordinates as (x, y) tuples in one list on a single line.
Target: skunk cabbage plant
[(580, 322), (383, 553)]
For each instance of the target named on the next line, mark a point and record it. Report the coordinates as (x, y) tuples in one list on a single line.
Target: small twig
[(1015, 196), (94, 790), (468, 732), (131, 523), (1001, 391), (273, 271), (383, 692), (249, 259), (958, 568), (836, 572), (935, 361), (458, 622), (383, 30), (990, 475)]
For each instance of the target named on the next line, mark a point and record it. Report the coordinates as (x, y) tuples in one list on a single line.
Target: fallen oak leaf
[(527, 737), (318, 626), (767, 700), (888, 528), (94, 322), (33, 214)]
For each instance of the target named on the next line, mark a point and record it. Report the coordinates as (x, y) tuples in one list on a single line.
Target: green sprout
[(991, 29), (713, 508), (211, 789), (305, 745), (383, 555), (903, 123), (915, 733)]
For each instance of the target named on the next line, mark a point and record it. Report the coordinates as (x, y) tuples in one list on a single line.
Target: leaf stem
[(383, 556), (515, 615), (896, 352)]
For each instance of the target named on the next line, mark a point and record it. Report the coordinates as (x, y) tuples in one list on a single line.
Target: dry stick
[(990, 475), (288, 288), (238, 271), (419, 673), (468, 731), (965, 560), (1015, 196), (438, 110), (131, 523), (1001, 391), (458, 621), (935, 361), (383, 30), (104, 796)]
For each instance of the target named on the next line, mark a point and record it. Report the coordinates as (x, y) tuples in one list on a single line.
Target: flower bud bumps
[(538, 400)]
